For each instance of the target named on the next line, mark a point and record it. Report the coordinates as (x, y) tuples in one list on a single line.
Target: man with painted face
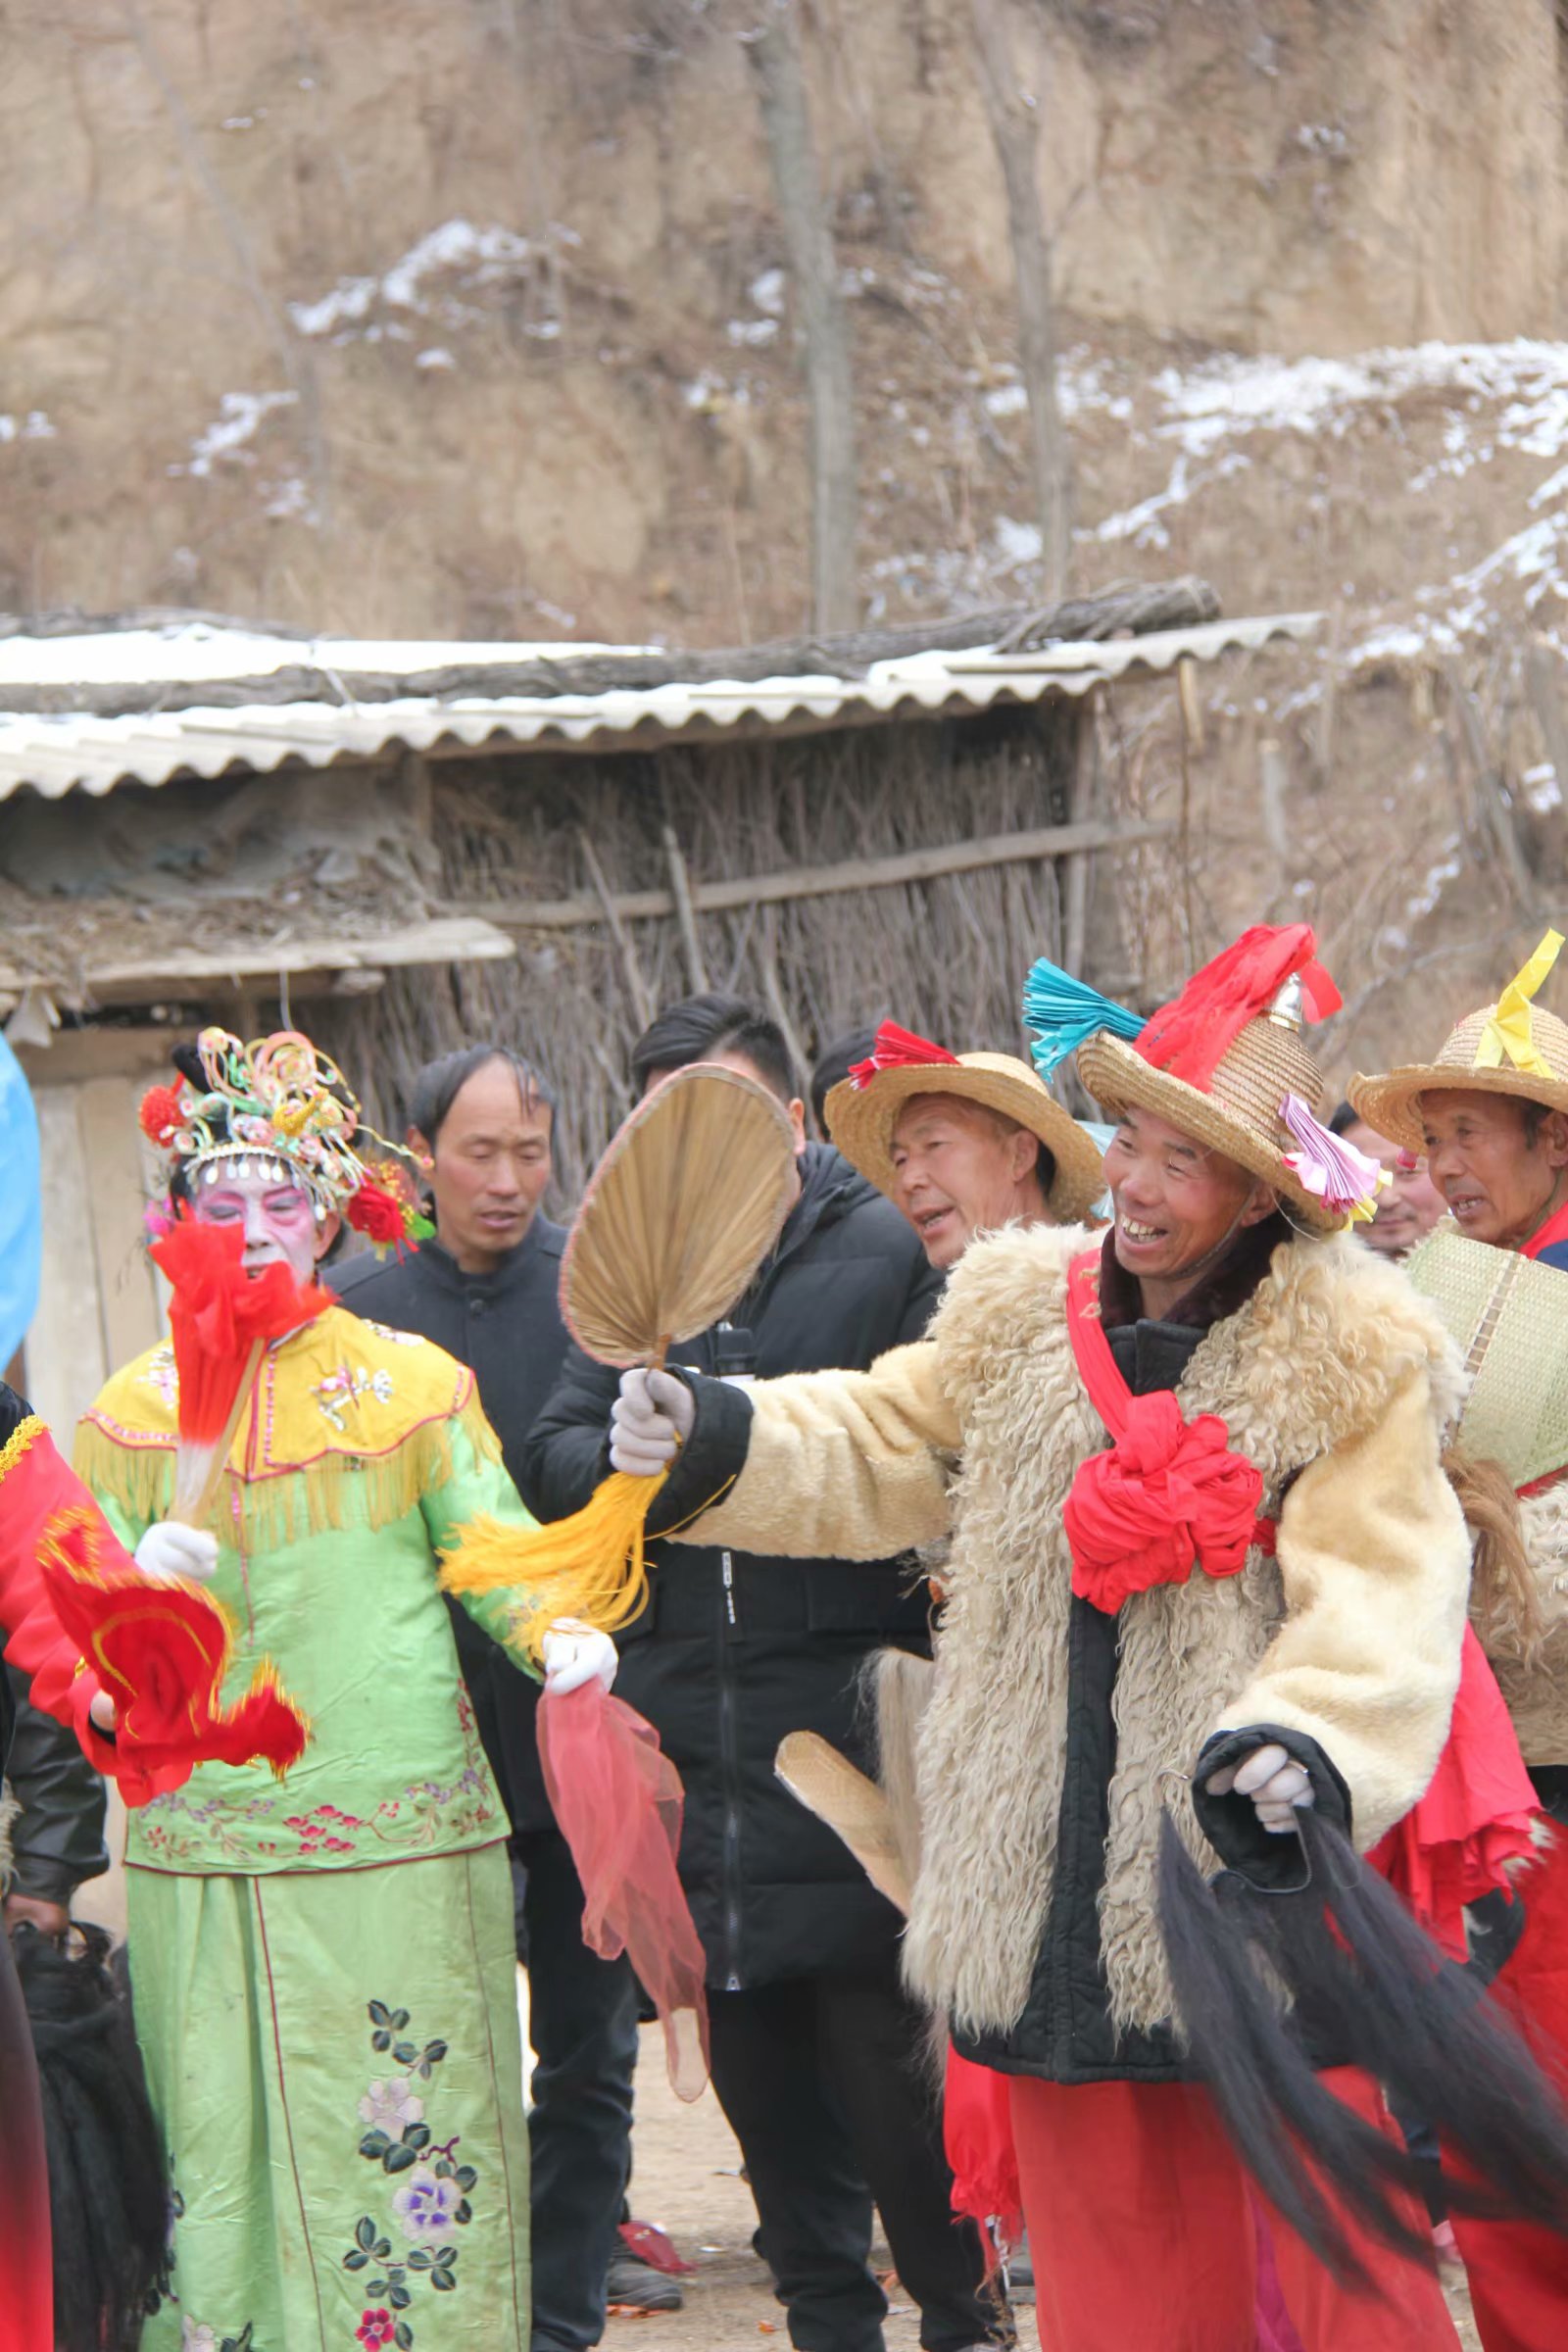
[(324, 1972), (1491, 1114), (1259, 1582)]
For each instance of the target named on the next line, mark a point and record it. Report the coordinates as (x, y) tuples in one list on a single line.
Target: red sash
[(1169, 1496)]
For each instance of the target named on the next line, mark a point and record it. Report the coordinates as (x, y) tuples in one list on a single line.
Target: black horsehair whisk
[(1365, 1983)]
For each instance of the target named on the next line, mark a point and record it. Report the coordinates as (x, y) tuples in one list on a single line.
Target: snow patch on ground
[(226, 440), (482, 255)]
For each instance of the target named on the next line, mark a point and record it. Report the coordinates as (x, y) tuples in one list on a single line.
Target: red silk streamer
[(977, 2134), (1169, 1495), (896, 1049), (617, 1801), (1190, 1036), (34, 1484), (162, 1652), (218, 1313), (1476, 1817)]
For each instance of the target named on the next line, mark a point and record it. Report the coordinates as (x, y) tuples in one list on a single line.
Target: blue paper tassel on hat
[(1063, 1012)]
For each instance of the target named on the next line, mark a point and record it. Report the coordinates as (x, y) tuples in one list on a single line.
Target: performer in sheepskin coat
[(1089, 1662)]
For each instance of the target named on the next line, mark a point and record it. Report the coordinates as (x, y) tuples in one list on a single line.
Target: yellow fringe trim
[(21, 1440), (283, 1506), (591, 1566)]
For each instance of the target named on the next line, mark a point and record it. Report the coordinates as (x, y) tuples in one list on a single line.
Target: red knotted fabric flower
[(375, 1212), (1169, 1496)]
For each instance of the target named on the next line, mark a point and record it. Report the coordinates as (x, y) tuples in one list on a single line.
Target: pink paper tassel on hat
[(1341, 1176)]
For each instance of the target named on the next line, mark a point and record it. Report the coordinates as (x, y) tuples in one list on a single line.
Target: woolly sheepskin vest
[(1311, 1362), (1534, 1682)]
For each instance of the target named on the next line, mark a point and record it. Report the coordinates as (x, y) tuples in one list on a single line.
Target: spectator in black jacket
[(815, 2049), (485, 1289)]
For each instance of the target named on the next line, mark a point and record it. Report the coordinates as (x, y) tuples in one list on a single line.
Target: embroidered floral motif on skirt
[(335, 2059)]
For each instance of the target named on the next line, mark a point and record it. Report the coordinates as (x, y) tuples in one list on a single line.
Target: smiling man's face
[(1176, 1202), (1500, 1165)]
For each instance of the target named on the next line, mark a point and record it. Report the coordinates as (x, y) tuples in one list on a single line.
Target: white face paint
[(280, 1220)]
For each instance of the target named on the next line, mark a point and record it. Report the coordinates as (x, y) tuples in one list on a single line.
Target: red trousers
[(1518, 2273), (1143, 2234)]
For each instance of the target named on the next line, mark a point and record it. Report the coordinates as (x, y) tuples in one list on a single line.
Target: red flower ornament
[(160, 1115), (1168, 1497), (376, 2327), (375, 1213)]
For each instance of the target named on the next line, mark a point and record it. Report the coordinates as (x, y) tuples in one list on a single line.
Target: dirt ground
[(688, 2179)]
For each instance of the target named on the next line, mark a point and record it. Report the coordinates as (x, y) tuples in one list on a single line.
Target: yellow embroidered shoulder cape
[(361, 1454)]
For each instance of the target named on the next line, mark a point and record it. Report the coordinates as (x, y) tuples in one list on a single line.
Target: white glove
[(574, 1654), (650, 1421), (169, 1549), (1277, 1787)]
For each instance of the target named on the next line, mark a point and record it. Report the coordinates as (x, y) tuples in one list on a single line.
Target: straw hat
[(1510, 1048), (1224, 1062), (863, 1109), (1239, 1115)]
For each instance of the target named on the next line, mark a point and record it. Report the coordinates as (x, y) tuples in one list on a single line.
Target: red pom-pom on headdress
[(1190, 1036), (896, 1049), (374, 1213), (162, 1116)]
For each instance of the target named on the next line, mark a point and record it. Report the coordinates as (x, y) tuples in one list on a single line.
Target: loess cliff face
[(390, 317)]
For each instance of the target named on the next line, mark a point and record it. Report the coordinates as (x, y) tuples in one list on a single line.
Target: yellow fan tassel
[(591, 1566)]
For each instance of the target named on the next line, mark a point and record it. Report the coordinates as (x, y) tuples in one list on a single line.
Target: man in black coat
[(815, 2049), (486, 1290)]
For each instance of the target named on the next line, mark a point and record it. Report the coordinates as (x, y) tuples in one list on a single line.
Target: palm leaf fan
[(221, 1320), (682, 1210)]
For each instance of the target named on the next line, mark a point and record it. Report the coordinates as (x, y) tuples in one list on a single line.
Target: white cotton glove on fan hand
[(650, 1421), (573, 1653), (169, 1549), (1277, 1787)]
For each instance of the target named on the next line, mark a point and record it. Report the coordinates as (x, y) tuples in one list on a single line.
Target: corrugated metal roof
[(57, 754)]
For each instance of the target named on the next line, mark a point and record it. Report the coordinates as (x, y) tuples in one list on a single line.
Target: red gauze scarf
[(1169, 1496)]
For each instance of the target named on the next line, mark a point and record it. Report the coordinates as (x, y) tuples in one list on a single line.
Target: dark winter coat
[(733, 1651), (508, 1326)]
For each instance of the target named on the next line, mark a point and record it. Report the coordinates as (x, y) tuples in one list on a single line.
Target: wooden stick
[(631, 968), (681, 890), (811, 881), (207, 1496)]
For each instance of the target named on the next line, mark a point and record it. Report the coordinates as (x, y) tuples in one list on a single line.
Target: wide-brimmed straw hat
[(862, 1111), (1224, 1062), (1510, 1048)]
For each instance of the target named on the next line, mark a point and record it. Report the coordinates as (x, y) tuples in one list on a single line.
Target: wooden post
[(775, 58)]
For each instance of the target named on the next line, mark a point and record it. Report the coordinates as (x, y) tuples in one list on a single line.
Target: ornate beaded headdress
[(282, 1108)]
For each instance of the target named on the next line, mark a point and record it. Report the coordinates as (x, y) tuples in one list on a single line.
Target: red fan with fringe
[(1190, 1036), (162, 1652), (222, 1321), (896, 1049)]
